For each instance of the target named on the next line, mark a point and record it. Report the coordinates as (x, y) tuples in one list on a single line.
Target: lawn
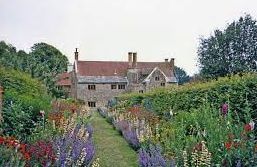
[(111, 148)]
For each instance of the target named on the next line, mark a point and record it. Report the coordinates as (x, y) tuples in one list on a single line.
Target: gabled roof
[(171, 79), (64, 79), (118, 68)]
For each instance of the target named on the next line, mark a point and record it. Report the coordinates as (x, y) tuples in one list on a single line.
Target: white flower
[(252, 124), (171, 113)]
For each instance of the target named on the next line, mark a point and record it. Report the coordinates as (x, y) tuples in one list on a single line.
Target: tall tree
[(44, 62), (181, 75), (231, 51), (47, 63)]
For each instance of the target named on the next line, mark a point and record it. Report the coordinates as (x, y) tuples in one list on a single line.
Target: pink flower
[(224, 109), (247, 128)]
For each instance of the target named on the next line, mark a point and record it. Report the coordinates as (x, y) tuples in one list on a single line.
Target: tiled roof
[(117, 68), (64, 79), (102, 79)]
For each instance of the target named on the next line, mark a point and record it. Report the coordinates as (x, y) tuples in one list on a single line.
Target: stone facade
[(96, 82), (100, 94)]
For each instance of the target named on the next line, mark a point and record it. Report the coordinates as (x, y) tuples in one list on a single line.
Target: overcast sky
[(108, 29)]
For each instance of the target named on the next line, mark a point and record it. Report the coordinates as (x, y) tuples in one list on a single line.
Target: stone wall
[(100, 95), (156, 83)]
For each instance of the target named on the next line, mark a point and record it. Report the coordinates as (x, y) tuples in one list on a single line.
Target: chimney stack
[(134, 64), (166, 60), (172, 62), (130, 59), (76, 54)]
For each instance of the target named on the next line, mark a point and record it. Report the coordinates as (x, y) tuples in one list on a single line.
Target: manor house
[(95, 82)]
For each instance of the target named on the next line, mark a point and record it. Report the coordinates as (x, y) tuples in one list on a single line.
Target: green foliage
[(44, 62), (47, 63), (24, 97), (181, 75), (9, 157), (43, 132), (187, 130), (237, 89), (230, 51)]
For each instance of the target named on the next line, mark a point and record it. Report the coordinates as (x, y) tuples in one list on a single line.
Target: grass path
[(111, 148)]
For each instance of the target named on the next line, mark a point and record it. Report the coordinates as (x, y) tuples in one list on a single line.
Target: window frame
[(91, 87), (121, 86), (113, 85), (163, 84), (91, 104), (157, 78)]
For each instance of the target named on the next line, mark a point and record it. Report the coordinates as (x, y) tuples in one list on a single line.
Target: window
[(113, 86), (157, 78), (121, 86), (162, 84), (91, 104), (91, 87), (141, 91)]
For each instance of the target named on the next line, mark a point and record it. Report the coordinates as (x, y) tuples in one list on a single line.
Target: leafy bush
[(23, 98), (227, 139), (234, 89)]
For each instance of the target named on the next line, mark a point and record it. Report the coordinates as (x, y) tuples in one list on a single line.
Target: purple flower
[(152, 156), (224, 109), (90, 150), (128, 133), (89, 129), (71, 145)]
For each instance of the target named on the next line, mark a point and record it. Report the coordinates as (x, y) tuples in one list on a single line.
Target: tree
[(181, 75), (46, 63), (231, 51)]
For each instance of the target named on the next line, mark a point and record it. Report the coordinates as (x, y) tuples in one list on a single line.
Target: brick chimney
[(172, 63), (130, 54), (76, 54), (166, 60), (134, 63), (76, 57)]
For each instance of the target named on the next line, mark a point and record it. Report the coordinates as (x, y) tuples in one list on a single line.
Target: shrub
[(235, 89), (23, 98)]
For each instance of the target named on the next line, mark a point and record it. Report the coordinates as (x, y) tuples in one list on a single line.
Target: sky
[(109, 29)]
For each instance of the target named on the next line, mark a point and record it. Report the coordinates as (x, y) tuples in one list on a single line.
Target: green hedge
[(239, 91), (23, 98)]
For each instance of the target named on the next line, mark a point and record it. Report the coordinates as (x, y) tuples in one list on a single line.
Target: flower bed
[(205, 124), (65, 140)]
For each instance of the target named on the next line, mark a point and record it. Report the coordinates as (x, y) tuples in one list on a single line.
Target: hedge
[(239, 91)]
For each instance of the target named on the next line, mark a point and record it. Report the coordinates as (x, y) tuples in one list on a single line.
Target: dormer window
[(157, 78)]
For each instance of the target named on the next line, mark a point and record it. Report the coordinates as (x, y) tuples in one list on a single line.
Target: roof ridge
[(120, 61)]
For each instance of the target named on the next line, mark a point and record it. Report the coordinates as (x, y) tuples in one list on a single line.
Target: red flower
[(22, 148), (247, 128), (228, 145), (1, 140), (26, 156)]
